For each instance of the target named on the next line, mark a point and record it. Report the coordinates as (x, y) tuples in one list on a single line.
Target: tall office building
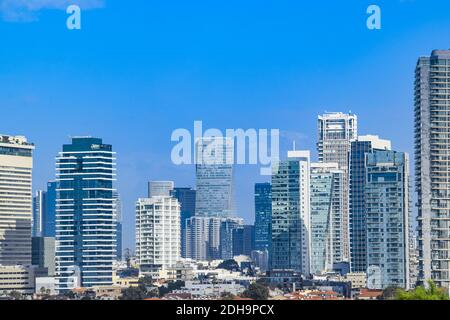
[(228, 228), (160, 188), (263, 215), (327, 226), (290, 213), (186, 198), (357, 177), (16, 164), (50, 210), (214, 177), (118, 218), (203, 238), (85, 217), (158, 244), (244, 240), (43, 253), (387, 206), (336, 131), (432, 142), (39, 211)]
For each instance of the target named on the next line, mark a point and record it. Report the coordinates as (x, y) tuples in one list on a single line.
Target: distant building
[(432, 162), (160, 188), (244, 240), (228, 241), (291, 214), (18, 278), (85, 217), (388, 218), (16, 164), (43, 253), (327, 226), (203, 238), (186, 198), (336, 131), (214, 177), (157, 233), (118, 218), (263, 215), (359, 149)]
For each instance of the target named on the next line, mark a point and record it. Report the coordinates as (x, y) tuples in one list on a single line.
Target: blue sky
[(137, 71)]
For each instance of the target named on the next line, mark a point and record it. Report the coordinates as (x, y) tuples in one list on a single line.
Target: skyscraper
[(186, 198), (432, 142), (16, 164), (327, 226), (357, 177), (50, 210), (160, 188), (214, 177), (118, 218), (85, 217), (39, 211), (290, 213), (263, 215), (203, 237), (244, 240), (336, 131), (228, 227), (158, 244), (388, 219)]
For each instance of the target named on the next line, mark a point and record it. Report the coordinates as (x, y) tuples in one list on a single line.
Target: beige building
[(17, 278), (16, 163)]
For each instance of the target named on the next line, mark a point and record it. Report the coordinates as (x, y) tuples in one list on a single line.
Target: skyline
[(264, 69)]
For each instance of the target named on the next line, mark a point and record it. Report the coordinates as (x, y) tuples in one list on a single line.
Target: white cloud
[(27, 10)]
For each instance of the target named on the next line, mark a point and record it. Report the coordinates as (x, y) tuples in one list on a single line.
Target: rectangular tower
[(86, 228), (432, 142), (336, 131), (290, 213), (16, 163)]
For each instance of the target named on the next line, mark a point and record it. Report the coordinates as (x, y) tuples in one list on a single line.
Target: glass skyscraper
[(432, 159), (263, 215), (357, 177), (85, 214), (336, 131), (327, 226), (186, 198), (214, 177), (290, 249), (387, 205)]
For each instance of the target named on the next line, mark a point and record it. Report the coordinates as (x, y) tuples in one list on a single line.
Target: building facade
[(158, 243), (160, 188), (186, 198), (388, 219), (327, 226), (214, 177), (357, 179), (432, 162), (86, 231), (263, 215), (290, 229), (336, 131), (16, 164)]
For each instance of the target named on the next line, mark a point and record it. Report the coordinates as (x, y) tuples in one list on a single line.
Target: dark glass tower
[(186, 197), (359, 148), (263, 215), (85, 214)]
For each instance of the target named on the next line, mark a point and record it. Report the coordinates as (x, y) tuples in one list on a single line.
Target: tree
[(433, 292), (230, 265), (16, 295), (389, 293), (227, 296), (171, 286), (133, 293), (256, 291)]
